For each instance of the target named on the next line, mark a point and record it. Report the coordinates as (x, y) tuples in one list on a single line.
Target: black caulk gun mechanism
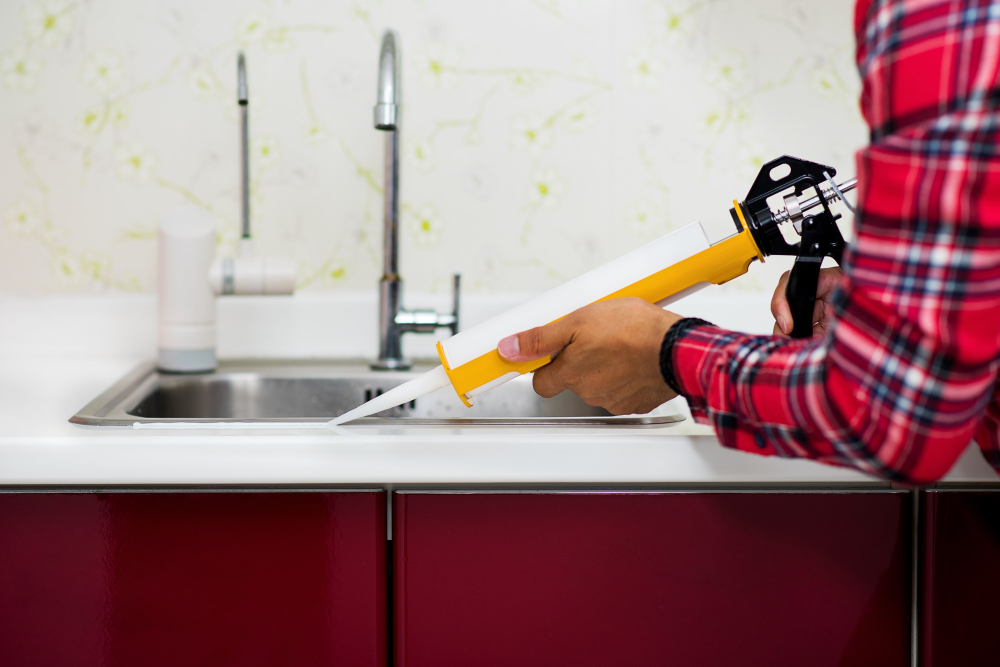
[(809, 190)]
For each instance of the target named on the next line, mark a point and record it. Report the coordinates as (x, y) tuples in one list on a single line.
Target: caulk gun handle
[(803, 280)]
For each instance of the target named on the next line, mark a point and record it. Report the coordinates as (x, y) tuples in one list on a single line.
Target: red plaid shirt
[(906, 377)]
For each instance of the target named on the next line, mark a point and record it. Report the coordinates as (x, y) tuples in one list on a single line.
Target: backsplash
[(539, 137)]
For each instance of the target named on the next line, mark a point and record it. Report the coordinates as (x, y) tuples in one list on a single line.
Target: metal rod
[(390, 234), (828, 194), (243, 99)]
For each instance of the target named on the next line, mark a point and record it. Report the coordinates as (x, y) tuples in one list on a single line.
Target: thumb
[(536, 343), (779, 306)]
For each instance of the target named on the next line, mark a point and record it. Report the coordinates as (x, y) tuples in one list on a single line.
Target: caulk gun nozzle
[(404, 393)]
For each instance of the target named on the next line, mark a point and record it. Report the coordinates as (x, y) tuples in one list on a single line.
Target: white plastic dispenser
[(186, 308)]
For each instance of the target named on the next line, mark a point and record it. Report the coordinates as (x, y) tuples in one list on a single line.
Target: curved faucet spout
[(387, 103), (393, 319)]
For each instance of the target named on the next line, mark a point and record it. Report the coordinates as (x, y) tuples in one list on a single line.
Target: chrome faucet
[(393, 319)]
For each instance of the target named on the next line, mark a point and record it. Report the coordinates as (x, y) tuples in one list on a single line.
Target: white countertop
[(38, 446), (56, 356)]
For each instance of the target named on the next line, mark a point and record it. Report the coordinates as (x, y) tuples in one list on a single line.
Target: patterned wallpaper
[(540, 137)]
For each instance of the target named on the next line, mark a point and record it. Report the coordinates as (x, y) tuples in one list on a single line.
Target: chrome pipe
[(243, 99)]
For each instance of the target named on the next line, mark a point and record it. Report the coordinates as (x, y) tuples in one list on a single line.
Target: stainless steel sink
[(276, 391)]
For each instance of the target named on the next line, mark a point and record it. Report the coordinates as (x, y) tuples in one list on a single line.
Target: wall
[(540, 137)]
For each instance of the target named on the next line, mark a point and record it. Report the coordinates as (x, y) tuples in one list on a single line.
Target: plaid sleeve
[(907, 374)]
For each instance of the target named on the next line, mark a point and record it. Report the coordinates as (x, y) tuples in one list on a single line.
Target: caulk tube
[(660, 272)]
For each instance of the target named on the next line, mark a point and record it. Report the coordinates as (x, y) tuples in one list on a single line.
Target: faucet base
[(391, 365)]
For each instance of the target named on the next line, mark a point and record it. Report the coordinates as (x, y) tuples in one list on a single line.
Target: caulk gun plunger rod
[(829, 194)]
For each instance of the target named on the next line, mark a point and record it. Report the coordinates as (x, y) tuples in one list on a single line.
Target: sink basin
[(276, 391)]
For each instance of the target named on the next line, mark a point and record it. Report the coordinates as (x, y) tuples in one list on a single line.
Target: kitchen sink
[(297, 391)]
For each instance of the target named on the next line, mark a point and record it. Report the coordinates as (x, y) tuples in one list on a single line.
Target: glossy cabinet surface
[(960, 575), (229, 578), (651, 579)]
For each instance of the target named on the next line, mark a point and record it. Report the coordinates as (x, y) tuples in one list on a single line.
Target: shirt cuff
[(690, 353), (667, 358)]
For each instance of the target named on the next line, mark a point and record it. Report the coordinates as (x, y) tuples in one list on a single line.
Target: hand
[(822, 314), (608, 355)]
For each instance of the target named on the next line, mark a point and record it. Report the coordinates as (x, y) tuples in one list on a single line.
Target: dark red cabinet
[(960, 578), (228, 578), (651, 579)]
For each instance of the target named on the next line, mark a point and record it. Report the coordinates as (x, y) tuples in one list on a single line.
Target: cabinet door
[(227, 578), (651, 579), (960, 595)]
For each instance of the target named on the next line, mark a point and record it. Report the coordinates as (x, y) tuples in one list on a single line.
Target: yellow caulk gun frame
[(757, 236)]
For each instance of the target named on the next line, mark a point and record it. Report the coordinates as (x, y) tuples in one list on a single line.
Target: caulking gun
[(661, 272)]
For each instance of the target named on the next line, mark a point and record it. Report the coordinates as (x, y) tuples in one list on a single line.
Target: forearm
[(773, 396)]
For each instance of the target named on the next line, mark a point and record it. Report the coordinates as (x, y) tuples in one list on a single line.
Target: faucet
[(393, 319)]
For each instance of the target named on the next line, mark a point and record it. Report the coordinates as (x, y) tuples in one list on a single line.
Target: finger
[(633, 405), (825, 319), (779, 306), (548, 381), (536, 343), (819, 308), (829, 280), (818, 320)]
